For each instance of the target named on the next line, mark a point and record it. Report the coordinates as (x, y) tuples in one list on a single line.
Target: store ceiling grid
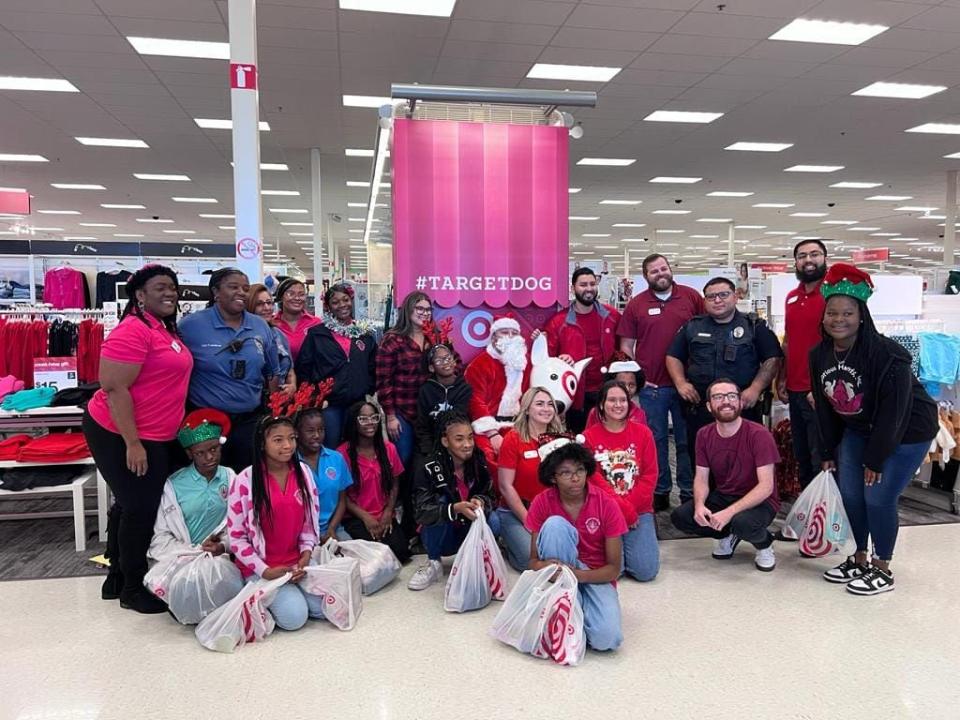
[(675, 55)]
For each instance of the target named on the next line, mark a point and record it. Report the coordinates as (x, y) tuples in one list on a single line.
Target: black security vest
[(718, 350)]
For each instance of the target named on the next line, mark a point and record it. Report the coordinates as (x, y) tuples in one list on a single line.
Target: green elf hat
[(202, 425), (845, 279)]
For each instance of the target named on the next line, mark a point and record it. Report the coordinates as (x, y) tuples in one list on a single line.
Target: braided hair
[(258, 471), (138, 281), (216, 279), (351, 434)]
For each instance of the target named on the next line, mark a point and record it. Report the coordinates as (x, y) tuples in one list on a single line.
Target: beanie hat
[(845, 279), (202, 425), (504, 322)]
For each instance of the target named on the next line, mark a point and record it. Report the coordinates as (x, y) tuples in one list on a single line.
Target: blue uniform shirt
[(331, 475), (223, 379), (283, 352)]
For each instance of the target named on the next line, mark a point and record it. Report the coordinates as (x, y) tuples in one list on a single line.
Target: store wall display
[(471, 326)]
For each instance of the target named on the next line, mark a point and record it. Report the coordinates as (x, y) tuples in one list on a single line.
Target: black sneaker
[(661, 502), (846, 571), (873, 582), (780, 537), (142, 601), (112, 585)]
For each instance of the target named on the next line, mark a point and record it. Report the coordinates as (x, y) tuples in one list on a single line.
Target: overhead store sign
[(480, 212), (770, 267), (14, 202), (872, 255), (187, 250)]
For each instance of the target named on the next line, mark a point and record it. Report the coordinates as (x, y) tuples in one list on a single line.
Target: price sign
[(56, 373)]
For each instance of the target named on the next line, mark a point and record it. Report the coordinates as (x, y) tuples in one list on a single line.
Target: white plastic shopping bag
[(542, 616), (338, 582), (378, 565), (161, 574), (244, 619), (818, 519), (478, 574), (201, 586)]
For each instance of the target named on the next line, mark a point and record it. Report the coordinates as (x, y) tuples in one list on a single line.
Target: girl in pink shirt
[(272, 511), (375, 466)]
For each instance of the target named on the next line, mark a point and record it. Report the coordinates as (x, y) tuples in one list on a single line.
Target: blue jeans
[(443, 539), (515, 537), (406, 440), (558, 540), (333, 426), (641, 553), (873, 510), (291, 606), (657, 404)]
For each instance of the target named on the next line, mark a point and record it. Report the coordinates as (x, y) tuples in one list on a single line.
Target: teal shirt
[(203, 503)]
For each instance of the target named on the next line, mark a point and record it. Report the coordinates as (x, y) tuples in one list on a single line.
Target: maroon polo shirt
[(804, 313), (654, 322)]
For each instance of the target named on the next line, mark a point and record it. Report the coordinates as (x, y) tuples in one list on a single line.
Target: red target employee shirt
[(803, 317), (523, 458)]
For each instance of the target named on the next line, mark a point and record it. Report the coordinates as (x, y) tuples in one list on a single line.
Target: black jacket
[(434, 398), (872, 391), (435, 488), (321, 358)]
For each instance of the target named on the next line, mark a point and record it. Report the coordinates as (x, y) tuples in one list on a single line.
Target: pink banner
[(480, 212), (471, 326), (14, 202)]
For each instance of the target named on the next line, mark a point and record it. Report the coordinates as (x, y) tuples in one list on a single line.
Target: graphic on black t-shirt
[(842, 385)]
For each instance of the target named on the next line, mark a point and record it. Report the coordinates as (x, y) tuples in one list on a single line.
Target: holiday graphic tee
[(843, 387), (626, 466)]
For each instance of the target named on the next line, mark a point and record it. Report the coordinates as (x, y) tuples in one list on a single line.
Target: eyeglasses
[(443, 360), (295, 296), (419, 310), (720, 397), (722, 295), (368, 419), (815, 255), (570, 474)]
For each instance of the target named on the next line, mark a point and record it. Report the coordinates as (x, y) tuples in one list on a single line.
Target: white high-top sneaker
[(765, 559), (426, 575)]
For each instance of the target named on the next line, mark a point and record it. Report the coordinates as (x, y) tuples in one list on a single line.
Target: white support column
[(626, 262), (319, 265), (731, 246), (245, 113), (950, 223)]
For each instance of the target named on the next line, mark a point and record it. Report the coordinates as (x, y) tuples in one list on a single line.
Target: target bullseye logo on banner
[(475, 328)]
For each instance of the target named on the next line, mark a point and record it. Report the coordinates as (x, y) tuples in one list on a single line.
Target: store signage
[(55, 372), (770, 267), (248, 248), (872, 255), (188, 293), (187, 250), (15, 247), (85, 248), (14, 202), (243, 76)]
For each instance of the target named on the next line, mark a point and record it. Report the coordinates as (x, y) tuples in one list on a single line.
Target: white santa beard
[(512, 352)]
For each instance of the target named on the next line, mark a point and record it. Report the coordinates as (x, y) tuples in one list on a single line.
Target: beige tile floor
[(706, 640)]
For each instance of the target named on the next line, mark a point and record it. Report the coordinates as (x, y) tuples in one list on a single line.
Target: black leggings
[(136, 499), (396, 540)]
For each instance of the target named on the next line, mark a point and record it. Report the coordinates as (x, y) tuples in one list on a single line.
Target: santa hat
[(549, 442), (202, 425), (845, 279), (504, 322)]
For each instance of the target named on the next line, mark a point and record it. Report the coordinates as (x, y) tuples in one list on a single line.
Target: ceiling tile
[(529, 11), (73, 43), (196, 10), (583, 56), (615, 40), (748, 66), (761, 8), (482, 31), (702, 45), (678, 63), (279, 16), (882, 57), (387, 24), (509, 52), (623, 18), (718, 24)]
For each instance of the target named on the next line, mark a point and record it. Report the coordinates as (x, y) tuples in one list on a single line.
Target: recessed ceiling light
[(595, 235), (620, 202), (96, 224), (193, 200), (856, 185), (365, 101), (120, 206), (607, 162), (111, 142), (155, 176), (746, 146), (749, 227), (633, 240), (807, 237), (813, 168), (8, 82), (357, 183), (181, 232), (677, 180), (670, 232), (289, 211), (828, 32), (181, 48), (890, 198), (274, 166), (728, 193), (916, 208), (774, 205), (217, 216), (633, 225), (715, 220), (154, 220), (289, 193), (681, 116), (216, 124), (839, 222), (583, 217), (302, 234), (227, 227), (78, 237), (808, 214), (297, 224), (574, 190), (702, 237), (127, 235), (936, 129), (672, 212), (862, 229), (59, 212), (358, 152), (883, 234), (584, 73), (779, 232), (899, 90), (76, 186), (433, 8), (355, 231), (18, 157)]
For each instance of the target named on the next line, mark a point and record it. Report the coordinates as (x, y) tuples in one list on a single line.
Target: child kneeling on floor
[(448, 488), (272, 520)]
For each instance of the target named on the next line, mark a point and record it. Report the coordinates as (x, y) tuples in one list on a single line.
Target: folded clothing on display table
[(29, 399), (17, 479), (10, 384), (55, 447), (10, 447), (78, 396)]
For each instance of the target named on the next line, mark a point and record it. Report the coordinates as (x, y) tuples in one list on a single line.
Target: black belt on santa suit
[(506, 418)]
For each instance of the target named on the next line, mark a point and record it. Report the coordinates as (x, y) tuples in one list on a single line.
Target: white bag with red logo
[(338, 582), (194, 584), (244, 619), (479, 574), (378, 565), (818, 519), (543, 616)]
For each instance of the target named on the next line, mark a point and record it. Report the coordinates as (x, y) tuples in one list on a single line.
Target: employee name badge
[(792, 300), (653, 311), (706, 335), (176, 346), (530, 455)]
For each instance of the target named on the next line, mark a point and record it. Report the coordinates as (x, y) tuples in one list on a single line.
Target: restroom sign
[(243, 76)]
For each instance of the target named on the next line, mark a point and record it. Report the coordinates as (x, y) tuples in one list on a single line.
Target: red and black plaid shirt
[(400, 374)]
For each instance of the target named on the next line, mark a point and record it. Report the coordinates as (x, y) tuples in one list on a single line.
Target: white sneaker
[(724, 547), (426, 575), (765, 559)]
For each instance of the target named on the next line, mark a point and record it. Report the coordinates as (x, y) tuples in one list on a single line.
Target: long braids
[(138, 281), (472, 468), (351, 433), (258, 471)]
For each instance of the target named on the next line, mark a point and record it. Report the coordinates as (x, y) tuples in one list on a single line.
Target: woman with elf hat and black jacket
[(876, 421)]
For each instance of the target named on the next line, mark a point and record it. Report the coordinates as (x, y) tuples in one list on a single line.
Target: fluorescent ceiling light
[(181, 48), (749, 227), (702, 237), (677, 180), (96, 224), (574, 190), (302, 234), (774, 205), (595, 235), (59, 212), (433, 8), (714, 220), (181, 232), (899, 90), (814, 168), (916, 208), (155, 176), (127, 235), (358, 152), (358, 183), (78, 237), (274, 166), (746, 146), (227, 227), (193, 200), (672, 212), (808, 214), (670, 232), (355, 230), (629, 225), (216, 124), (111, 142), (297, 224), (633, 240), (17, 157), (291, 211), (856, 185), (365, 101), (153, 220), (356, 204), (280, 192), (48, 229), (862, 229), (583, 217), (356, 219), (217, 216), (807, 237), (839, 222), (779, 232), (585, 73), (890, 198), (620, 202), (120, 206), (936, 129), (828, 32), (76, 186), (8, 82), (882, 234), (607, 162), (728, 193), (680, 116)]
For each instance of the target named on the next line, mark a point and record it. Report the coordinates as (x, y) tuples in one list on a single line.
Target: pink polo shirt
[(296, 336), (368, 492), (159, 391), (283, 525)]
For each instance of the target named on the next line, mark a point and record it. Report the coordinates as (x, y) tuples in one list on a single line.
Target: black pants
[(396, 540), (136, 499), (238, 450), (806, 437), (698, 416), (577, 419), (750, 525)]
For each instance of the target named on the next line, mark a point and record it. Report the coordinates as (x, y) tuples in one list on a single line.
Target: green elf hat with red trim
[(202, 425), (845, 279)]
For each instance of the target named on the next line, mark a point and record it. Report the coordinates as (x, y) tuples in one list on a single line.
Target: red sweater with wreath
[(626, 466)]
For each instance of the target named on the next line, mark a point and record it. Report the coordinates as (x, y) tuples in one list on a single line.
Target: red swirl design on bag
[(814, 541), (558, 626), (493, 581)]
